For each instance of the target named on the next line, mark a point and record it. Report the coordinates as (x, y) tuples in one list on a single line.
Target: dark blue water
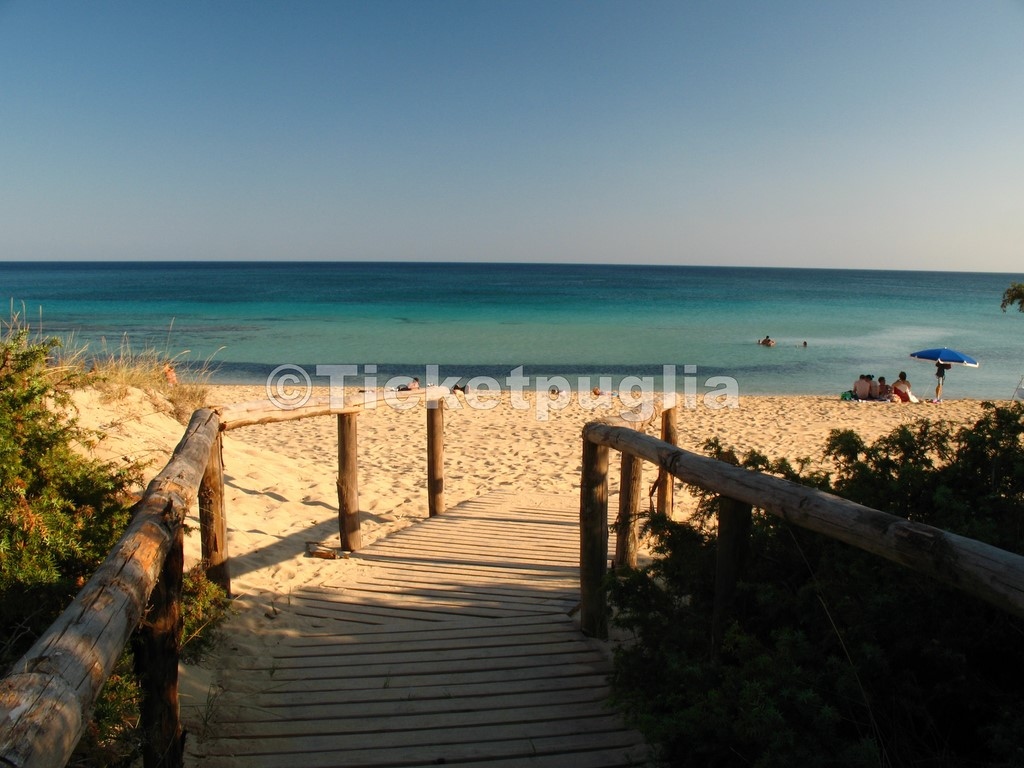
[(573, 320)]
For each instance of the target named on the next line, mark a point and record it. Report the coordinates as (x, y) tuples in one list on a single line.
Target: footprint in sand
[(285, 575)]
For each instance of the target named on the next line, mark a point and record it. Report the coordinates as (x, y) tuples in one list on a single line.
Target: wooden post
[(213, 524), (435, 457), (734, 523), (593, 539), (156, 645), (627, 535), (669, 434), (348, 488)]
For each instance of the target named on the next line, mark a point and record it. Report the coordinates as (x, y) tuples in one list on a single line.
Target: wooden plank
[(487, 694), (451, 632), (619, 748), (393, 582), (441, 661), (411, 732), (261, 682), (464, 606), (431, 601), (550, 714), (452, 642)]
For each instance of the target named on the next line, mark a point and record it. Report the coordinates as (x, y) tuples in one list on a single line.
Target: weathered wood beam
[(266, 412), (435, 457), (979, 569), (666, 483), (213, 523), (627, 524), (348, 482), (593, 539)]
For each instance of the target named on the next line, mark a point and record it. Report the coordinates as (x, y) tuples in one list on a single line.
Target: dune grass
[(113, 371), (173, 382)]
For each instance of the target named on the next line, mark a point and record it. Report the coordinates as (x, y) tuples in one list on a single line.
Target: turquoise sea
[(576, 321)]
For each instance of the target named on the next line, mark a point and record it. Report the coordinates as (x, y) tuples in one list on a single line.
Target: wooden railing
[(46, 699), (970, 566), (135, 594)]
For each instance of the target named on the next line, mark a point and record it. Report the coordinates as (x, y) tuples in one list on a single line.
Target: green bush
[(203, 607), (61, 513), (836, 657)]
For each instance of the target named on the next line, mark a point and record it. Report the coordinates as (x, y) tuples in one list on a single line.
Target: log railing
[(46, 699), (970, 566), (47, 696)]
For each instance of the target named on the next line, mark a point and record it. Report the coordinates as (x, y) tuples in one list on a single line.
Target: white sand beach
[(280, 478)]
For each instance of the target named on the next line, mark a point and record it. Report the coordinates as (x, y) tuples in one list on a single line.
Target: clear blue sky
[(866, 133)]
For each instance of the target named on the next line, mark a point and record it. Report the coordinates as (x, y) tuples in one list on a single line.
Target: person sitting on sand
[(872, 387), (861, 388), (901, 388), (884, 390), (412, 385)]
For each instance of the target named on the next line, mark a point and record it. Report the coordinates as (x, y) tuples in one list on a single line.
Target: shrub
[(203, 607), (836, 657), (60, 515)]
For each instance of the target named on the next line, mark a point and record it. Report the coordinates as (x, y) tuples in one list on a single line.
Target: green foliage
[(60, 512), (112, 739), (834, 656), (1013, 295), (203, 607)]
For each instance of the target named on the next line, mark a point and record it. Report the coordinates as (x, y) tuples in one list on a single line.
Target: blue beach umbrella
[(943, 358), (944, 355)]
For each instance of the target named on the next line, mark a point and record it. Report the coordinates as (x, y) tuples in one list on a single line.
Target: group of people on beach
[(866, 387)]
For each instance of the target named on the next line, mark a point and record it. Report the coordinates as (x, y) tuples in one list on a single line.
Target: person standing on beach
[(940, 379)]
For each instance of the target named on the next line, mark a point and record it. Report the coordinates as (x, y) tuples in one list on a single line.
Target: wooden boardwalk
[(453, 644)]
